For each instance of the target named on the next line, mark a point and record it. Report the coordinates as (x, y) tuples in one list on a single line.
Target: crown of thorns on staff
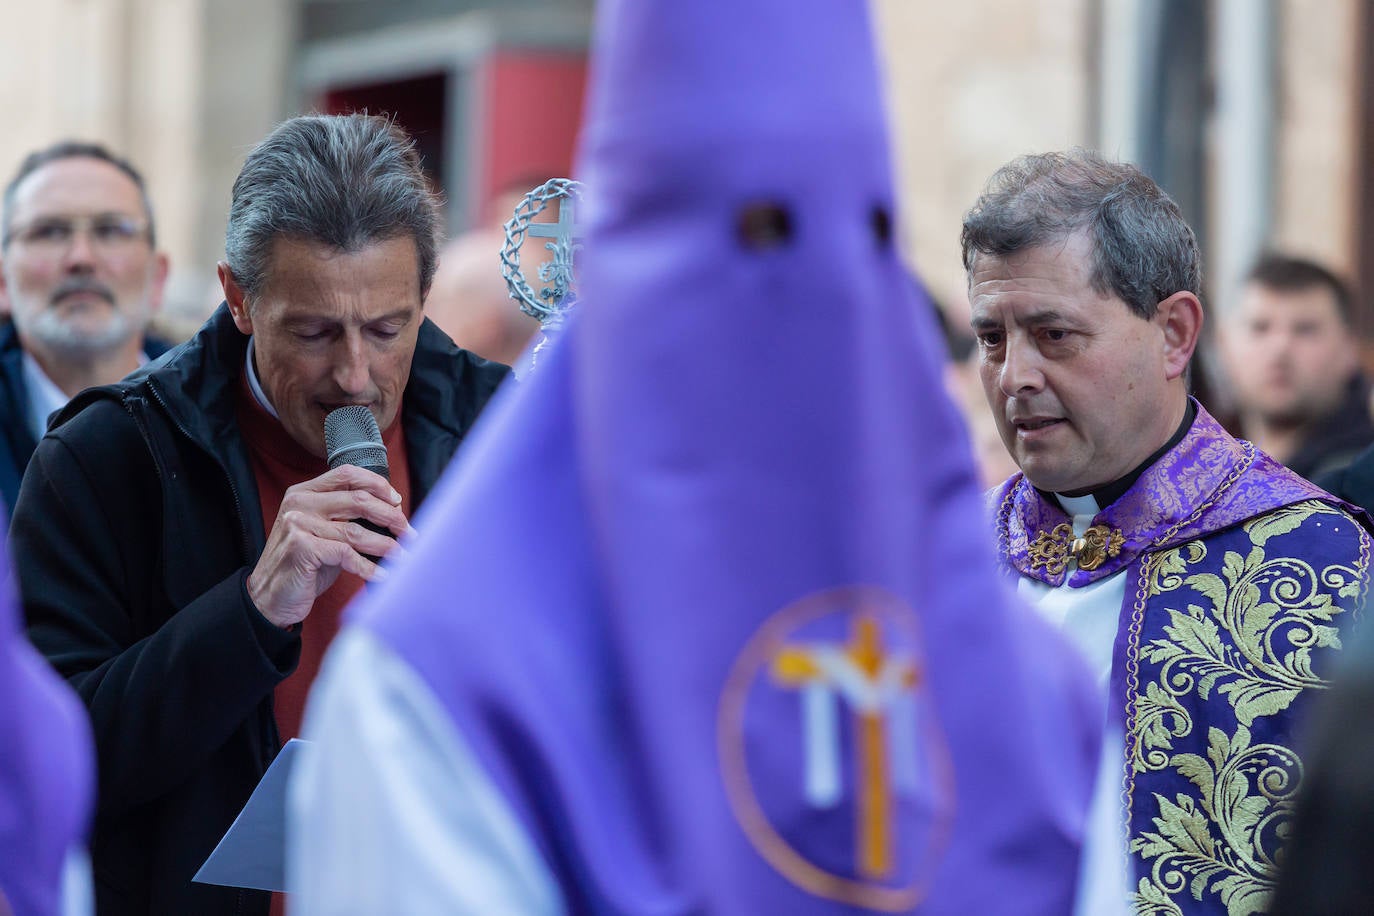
[(563, 241)]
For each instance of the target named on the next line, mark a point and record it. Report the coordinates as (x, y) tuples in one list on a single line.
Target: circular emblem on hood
[(833, 760)]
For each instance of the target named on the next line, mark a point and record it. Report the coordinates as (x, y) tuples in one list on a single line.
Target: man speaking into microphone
[(184, 548)]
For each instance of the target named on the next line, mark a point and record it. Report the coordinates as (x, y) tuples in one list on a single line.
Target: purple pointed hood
[(672, 81), (712, 594)]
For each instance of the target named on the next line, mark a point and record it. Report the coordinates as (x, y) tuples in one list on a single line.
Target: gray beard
[(67, 341)]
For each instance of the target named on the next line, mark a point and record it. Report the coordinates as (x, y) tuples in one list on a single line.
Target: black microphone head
[(351, 437)]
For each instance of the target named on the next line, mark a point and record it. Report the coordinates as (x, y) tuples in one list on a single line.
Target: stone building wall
[(973, 84), (182, 88), (185, 87), (1316, 148)]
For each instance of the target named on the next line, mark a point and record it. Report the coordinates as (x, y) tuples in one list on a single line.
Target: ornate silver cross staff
[(552, 302)]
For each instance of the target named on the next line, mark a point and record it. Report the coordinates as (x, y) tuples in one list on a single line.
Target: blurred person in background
[(469, 300), (80, 276), (1209, 587), (1292, 358), (184, 550)]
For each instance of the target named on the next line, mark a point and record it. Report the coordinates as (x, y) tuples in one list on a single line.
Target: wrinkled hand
[(314, 539)]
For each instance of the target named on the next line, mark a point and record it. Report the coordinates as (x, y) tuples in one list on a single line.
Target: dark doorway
[(419, 104)]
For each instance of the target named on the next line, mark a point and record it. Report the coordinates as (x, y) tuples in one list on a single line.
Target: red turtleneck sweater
[(279, 462)]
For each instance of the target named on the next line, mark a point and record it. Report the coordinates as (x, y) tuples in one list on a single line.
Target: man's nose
[(80, 251), (351, 369), (1272, 348), (1021, 371)]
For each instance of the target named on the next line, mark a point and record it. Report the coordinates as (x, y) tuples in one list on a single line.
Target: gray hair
[(70, 149), (346, 181), (1143, 250)]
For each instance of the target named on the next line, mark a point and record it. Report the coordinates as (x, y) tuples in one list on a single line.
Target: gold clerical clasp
[(1053, 549), (1097, 545), (1050, 549)]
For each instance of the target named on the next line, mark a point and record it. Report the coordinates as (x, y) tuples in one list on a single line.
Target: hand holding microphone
[(351, 437), (345, 519)]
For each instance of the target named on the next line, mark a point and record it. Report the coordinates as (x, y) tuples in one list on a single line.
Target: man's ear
[(1180, 319), (235, 299), (5, 307), (1348, 353), (161, 266)]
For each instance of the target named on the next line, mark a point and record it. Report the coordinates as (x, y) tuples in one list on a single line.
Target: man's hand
[(314, 539)]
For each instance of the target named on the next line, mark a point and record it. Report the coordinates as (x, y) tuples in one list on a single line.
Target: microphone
[(351, 437)]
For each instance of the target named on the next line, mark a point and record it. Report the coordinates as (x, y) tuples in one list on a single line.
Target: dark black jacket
[(136, 527), (1335, 441), (16, 441)]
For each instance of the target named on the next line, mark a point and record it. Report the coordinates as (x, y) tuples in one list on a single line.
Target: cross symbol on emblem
[(871, 683), (564, 241), (564, 246), (564, 230)]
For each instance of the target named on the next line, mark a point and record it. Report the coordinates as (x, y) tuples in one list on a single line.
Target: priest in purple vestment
[(728, 638), (1209, 588), (47, 777)]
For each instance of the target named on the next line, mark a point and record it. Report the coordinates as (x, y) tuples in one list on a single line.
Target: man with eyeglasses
[(80, 276)]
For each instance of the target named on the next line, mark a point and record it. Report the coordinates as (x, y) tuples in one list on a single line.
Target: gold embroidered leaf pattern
[(1282, 521), (1244, 797), (1247, 632), (1253, 600), (1199, 773), (1182, 847), (1166, 568), (1160, 717), (1255, 698), (1183, 829), (1151, 900), (1231, 804), (1300, 659), (1347, 582), (1242, 896), (1196, 640), (1233, 567)]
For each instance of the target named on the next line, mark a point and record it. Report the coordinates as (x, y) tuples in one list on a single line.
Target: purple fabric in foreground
[(47, 775), (712, 594)]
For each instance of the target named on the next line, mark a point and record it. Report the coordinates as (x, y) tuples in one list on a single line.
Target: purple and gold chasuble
[(709, 595), (1243, 580)]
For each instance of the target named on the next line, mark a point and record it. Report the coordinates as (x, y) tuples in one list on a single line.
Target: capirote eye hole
[(881, 221), (764, 224)]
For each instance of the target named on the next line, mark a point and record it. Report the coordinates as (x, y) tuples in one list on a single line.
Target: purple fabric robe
[(1243, 580), (47, 768), (710, 595)]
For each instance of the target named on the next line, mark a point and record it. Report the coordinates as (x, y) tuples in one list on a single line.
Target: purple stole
[(1243, 581)]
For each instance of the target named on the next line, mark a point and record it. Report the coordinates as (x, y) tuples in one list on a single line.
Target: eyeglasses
[(108, 232)]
